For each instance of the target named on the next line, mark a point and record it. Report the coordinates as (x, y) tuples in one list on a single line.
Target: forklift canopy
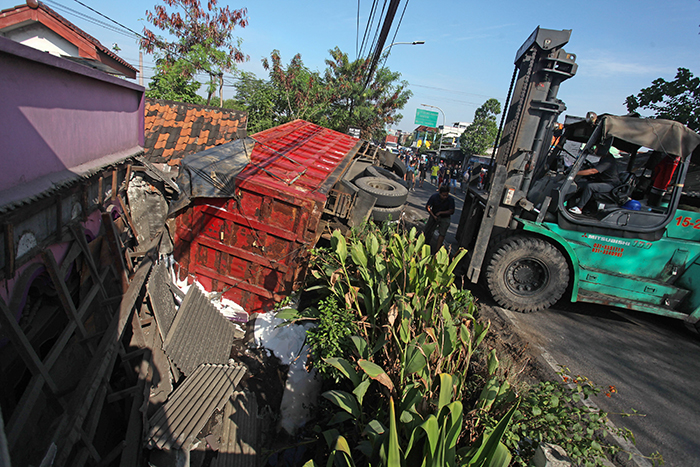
[(631, 133)]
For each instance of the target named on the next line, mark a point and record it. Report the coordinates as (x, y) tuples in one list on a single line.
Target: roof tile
[(188, 128)]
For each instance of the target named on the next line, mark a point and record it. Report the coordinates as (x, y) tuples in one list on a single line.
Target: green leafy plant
[(331, 337), (552, 412), (400, 398)]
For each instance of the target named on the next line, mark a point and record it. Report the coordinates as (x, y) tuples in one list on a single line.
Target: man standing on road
[(434, 173), (440, 206), (422, 170)]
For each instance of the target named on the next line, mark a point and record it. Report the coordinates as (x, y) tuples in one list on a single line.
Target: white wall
[(39, 37)]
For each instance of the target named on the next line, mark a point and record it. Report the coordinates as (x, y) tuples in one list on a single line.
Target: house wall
[(56, 115)]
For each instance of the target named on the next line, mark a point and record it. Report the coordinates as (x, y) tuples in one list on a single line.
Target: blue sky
[(621, 45)]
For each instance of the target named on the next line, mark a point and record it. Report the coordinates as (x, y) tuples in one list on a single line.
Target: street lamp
[(397, 43), (442, 133)]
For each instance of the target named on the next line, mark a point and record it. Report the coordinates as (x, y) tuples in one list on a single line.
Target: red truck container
[(255, 247)]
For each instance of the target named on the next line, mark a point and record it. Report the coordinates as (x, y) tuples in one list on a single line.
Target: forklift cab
[(651, 212)]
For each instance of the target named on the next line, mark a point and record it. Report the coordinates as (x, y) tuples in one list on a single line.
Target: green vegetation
[(677, 100), (480, 136), (407, 379)]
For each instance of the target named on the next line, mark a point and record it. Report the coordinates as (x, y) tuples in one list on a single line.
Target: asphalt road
[(653, 362)]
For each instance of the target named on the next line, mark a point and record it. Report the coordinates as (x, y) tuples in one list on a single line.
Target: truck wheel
[(399, 167), (527, 274), (374, 171), (380, 214), (389, 193)]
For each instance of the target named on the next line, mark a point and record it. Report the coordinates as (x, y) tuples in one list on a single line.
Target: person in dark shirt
[(440, 206), (604, 177)]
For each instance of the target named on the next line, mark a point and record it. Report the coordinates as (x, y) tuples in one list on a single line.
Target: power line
[(451, 90), (89, 19), (107, 17)]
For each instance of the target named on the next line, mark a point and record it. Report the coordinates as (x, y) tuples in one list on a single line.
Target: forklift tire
[(389, 193), (527, 274)]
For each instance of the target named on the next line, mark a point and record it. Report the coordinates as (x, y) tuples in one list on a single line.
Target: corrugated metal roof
[(199, 334), (296, 156), (178, 422), (50, 184), (240, 434)]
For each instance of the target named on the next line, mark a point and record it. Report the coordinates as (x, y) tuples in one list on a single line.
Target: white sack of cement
[(302, 388)]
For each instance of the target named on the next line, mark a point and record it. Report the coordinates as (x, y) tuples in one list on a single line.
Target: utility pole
[(221, 90)]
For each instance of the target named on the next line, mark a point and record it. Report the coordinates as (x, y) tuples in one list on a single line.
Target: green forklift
[(636, 246)]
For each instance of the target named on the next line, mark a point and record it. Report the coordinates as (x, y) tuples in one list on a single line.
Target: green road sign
[(426, 118)]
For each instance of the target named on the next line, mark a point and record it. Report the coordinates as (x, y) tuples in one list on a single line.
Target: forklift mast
[(541, 64)]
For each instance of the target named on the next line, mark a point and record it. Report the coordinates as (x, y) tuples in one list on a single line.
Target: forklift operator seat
[(622, 192)]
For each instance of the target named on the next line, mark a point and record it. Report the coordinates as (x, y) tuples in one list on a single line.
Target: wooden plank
[(100, 365), (24, 408), (135, 426), (127, 216), (112, 455), (62, 291), (114, 184), (123, 394), (82, 244), (72, 254), (24, 347), (114, 246)]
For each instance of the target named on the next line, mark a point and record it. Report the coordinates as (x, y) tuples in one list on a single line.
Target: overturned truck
[(255, 207), (104, 360)]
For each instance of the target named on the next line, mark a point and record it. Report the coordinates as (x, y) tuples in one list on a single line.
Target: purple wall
[(56, 114)]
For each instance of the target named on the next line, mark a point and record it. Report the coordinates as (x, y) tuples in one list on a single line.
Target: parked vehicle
[(638, 248)]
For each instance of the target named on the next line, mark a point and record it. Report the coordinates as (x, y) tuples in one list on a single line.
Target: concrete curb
[(638, 459)]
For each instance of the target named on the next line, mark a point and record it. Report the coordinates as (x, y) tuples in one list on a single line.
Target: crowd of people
[(442, 173), (447, 177)]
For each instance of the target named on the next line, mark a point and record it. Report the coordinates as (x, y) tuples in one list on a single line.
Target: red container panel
[(255, 247)]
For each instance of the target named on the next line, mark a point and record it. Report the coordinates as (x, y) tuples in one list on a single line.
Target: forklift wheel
[(527, 274)]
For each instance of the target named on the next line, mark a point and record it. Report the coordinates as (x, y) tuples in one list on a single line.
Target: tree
[(260, 99), (481, 134), (336, 98), (677, 100), (174, 83), (204, 38), (300, 92), (353, 104)]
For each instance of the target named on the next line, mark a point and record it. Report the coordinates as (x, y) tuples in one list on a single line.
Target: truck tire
[(380, 214), (374, 171), (389, 193), (399, 167), (526, 274)]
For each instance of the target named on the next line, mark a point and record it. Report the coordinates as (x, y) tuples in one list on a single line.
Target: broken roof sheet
[(178, 422), (199, 334), (161, 298), (176, 129)]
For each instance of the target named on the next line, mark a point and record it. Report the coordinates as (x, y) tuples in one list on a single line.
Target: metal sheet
[(241, 432), (176, 424), (199, 334)]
